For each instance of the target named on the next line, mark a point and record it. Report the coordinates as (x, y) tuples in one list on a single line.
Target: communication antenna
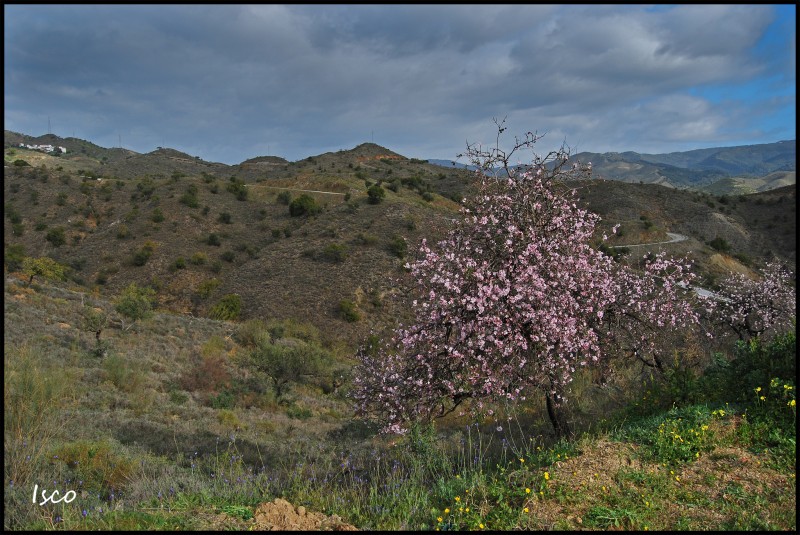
[(120, 140), (48, 124)]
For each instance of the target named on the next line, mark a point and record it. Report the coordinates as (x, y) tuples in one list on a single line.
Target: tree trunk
[(558, 417)]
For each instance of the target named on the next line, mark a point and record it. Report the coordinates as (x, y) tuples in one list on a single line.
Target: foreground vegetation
[(169, 429)]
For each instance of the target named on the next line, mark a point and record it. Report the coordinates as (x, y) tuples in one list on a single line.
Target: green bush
[(214, 240), (304, 205), (398, 246), (56, 236), (189, 198), (179, 263), (238, 188), (334, 252), (136, 303), (141, 256), (198, 259), (348, 311), (227, 309), (13, 256), (720, 244), (376, 194), (284, 198), (205, 288)]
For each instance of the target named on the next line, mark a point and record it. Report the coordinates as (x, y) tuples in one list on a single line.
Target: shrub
[(56, 236), (238, 188), (250, 332), (13, 256), (136, 303), (227, 309), (44, 267), (198, 259), (720, 244), (141, 256), (334, 252), (189, 198), (398, 246), (205, 288), (347, 309), (304, 205), (157, 216), (225, 218), (376, 194), (228, 256), (284, 198), (122, 232), (179, 263), (214, 240)]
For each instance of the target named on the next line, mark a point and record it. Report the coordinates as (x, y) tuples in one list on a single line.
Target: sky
[(232, 82)]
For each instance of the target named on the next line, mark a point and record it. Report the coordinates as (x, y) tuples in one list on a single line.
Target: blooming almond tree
[(514, 300), (755, 307)]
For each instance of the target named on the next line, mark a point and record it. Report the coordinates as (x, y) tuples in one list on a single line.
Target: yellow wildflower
[(526, 510), (546, 476), (439, 519), (792, 403), (446, 510), (527, 491), (458, 498)]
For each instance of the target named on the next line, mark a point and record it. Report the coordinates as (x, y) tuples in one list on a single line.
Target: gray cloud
[(230, 82)]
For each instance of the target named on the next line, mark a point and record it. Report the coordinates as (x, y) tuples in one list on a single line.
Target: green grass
[(173, 431)]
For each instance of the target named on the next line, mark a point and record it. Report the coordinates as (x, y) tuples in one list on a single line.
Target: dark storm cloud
[(232, 82)]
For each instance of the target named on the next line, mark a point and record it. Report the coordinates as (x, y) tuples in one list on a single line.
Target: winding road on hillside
[(674, 237)]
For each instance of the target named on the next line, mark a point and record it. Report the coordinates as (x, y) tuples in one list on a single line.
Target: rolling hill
[(213, 230)]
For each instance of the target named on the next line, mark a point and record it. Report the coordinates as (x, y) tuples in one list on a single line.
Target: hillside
[(201, 413), (201, 230)]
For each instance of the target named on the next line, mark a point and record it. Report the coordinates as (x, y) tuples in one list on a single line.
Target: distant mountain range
[(741, 169), (720, 170)]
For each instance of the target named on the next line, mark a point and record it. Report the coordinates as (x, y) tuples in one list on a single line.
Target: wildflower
[(787, 387), (527, 490), (677, 478), (762, 398), (758, 389), (522, 460), (526, 510), (480, 526), (439, 519), (446, 510), (458, 498), (604, 488), (546, 476), (792, 403), (466, 510)]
